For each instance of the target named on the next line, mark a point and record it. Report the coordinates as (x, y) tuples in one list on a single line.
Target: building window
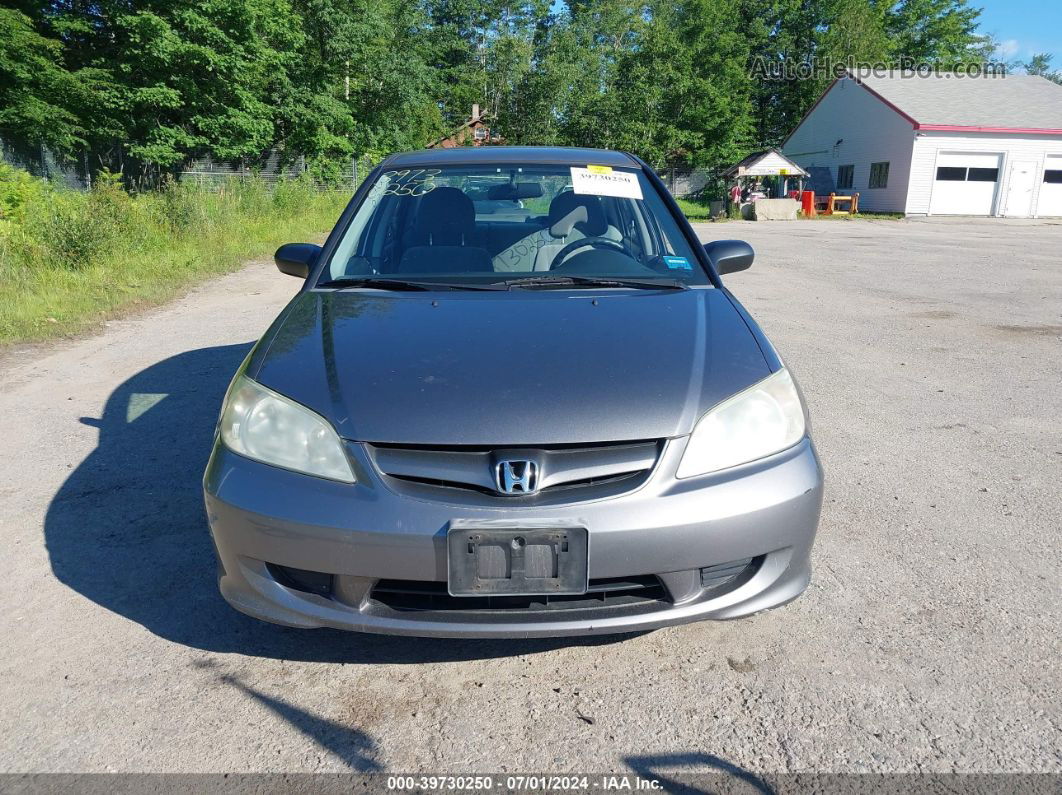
[(951, 174), (879, 175), (845, 176), (1053, 176), (963, 174), (481, 133)]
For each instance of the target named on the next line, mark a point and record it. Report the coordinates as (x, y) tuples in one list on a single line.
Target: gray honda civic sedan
[(512, 398)]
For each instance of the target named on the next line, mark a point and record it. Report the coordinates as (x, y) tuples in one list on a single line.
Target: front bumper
[(362, 533)]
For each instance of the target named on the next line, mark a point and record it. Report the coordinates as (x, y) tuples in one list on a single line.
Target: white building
[(939, 145)]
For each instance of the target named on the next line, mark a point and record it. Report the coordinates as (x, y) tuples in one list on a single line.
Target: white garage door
[(965, 183), (1051, 188)]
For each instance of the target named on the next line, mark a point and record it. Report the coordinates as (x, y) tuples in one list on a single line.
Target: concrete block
[(775, 209)]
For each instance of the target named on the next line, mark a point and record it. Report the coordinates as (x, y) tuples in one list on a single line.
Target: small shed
[(769, 163)]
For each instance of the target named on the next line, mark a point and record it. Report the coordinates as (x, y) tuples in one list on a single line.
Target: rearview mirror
[(729, 256), (297, 259), (514, 191)]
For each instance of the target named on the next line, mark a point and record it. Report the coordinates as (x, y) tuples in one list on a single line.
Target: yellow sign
[(783, 171), (599, 169)]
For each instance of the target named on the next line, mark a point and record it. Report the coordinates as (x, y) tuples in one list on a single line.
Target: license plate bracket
[(488, 560)]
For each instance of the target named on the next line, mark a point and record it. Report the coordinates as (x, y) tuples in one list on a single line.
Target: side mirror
[(730, 256), (297, 259)]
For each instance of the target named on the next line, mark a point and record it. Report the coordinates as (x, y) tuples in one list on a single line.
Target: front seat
[(442, 230), (572, 216)]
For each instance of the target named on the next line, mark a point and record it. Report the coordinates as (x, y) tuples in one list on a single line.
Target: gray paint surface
[(454, 368), (928, 352), (505, 369)]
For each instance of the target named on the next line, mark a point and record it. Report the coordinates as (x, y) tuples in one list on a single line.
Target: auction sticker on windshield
[(604, 181)]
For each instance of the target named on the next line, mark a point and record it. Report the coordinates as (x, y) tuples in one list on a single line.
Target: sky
[(1024, 27)]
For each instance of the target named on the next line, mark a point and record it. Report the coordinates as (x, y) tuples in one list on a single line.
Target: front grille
[(414, 595), (561, 468), (573, 484)]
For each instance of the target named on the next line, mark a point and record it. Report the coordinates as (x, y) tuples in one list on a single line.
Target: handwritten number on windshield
[(411, 182)]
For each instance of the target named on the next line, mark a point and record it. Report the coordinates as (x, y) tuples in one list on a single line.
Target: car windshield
[(516, 226)]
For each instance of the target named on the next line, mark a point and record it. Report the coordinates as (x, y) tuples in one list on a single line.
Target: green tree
[(456, 49), (1040, 64), (534, 111), (356, 86), (148, 85), (666, 82), (936, 32), (684, 94), (169, 80), (782, 37), (36, 91), (853, 31)]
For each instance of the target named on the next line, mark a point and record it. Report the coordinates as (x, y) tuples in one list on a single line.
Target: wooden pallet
[(829, 206)]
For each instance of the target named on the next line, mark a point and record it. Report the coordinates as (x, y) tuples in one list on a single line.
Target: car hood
[(509, 368)]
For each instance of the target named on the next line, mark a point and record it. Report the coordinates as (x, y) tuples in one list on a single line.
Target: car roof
[(530, 155)]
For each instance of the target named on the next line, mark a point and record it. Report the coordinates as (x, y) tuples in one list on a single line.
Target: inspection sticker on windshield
[(678, 263), (604, 181)]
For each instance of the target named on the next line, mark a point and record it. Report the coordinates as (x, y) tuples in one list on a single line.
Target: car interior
[(479, 226)]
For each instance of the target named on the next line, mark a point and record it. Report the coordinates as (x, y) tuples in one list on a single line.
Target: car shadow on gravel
[(697, 772), (128, 529), (358, 749)]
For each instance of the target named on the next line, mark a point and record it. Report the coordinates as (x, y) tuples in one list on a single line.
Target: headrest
[(568, 210), (445, 217)]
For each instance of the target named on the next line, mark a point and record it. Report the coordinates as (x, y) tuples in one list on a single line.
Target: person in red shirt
[(735, 194)]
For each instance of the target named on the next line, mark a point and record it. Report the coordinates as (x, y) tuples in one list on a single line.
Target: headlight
[(765, 418), (258, 423)]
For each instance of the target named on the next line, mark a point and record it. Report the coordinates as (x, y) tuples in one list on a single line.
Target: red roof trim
[(860, 83), (960, 128), (874, 93)]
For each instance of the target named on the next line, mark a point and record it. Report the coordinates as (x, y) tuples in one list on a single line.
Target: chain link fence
[(694, 183), (700, 183), (204, 171), (346, 176), (42, 162)]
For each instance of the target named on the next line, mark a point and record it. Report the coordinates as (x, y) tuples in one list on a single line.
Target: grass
[(694, 209), (70, 260)]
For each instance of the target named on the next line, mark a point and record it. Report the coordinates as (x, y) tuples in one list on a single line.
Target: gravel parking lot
[(930, 353)]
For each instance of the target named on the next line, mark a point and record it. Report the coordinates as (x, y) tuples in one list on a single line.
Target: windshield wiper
[(373, 282), (534, 282), (528, 282), (384, 283)]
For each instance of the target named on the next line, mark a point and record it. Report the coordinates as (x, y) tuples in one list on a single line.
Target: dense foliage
[(71, 258), (141, 87)]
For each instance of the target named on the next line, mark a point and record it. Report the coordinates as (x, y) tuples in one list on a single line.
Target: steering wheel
[(593, 242)]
